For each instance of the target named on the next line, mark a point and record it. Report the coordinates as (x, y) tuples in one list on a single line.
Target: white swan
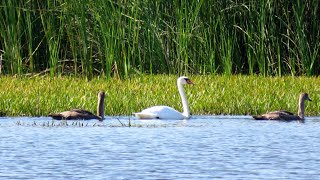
[(166, 112)]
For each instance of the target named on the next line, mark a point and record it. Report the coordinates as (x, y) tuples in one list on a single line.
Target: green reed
[(11, 32), (51, 20), (122, 38), (307, 52)]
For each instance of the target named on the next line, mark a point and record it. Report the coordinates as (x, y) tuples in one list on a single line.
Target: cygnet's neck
[(301, 108), (100, 108)]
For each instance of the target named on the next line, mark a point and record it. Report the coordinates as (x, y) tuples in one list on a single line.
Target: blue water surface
[(204, 147)]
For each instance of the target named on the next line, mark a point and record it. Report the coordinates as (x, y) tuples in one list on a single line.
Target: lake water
[(204, 147)]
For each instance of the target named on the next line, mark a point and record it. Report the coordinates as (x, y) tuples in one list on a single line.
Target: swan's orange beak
[(189, 81)]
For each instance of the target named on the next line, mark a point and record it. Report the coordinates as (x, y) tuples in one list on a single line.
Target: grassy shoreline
[(212, 94)]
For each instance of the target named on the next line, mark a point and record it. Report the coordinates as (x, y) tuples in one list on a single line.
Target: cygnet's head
[(304, 96), (101, 95)]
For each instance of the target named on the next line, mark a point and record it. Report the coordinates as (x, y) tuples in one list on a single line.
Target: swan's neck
[(301, 109), (186, 111), (100, 108)]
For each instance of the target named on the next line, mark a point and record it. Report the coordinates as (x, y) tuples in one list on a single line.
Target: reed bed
[(211, 95), (113, 38)]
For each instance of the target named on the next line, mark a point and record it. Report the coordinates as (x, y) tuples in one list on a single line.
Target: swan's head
[(184, 80), (304, 96)]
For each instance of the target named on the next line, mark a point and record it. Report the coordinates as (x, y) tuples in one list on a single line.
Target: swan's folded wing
[(282, 115), (273, 116), (277, 115), (269, 116), (284, 112), (288, 117), (82, 111), (145, 115)]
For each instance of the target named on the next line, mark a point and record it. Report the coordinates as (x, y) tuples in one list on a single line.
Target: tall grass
[(40, 96), (121, 38)]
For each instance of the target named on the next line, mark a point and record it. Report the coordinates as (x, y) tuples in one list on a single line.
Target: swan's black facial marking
[(188, 81)]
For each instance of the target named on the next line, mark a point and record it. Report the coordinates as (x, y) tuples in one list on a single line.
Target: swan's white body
[(166, 112), (161, 112)]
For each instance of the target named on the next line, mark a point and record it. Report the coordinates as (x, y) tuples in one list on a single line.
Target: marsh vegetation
[(121, 38), (235, 94)]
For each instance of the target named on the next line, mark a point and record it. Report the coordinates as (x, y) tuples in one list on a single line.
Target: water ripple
[(205, 147)]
